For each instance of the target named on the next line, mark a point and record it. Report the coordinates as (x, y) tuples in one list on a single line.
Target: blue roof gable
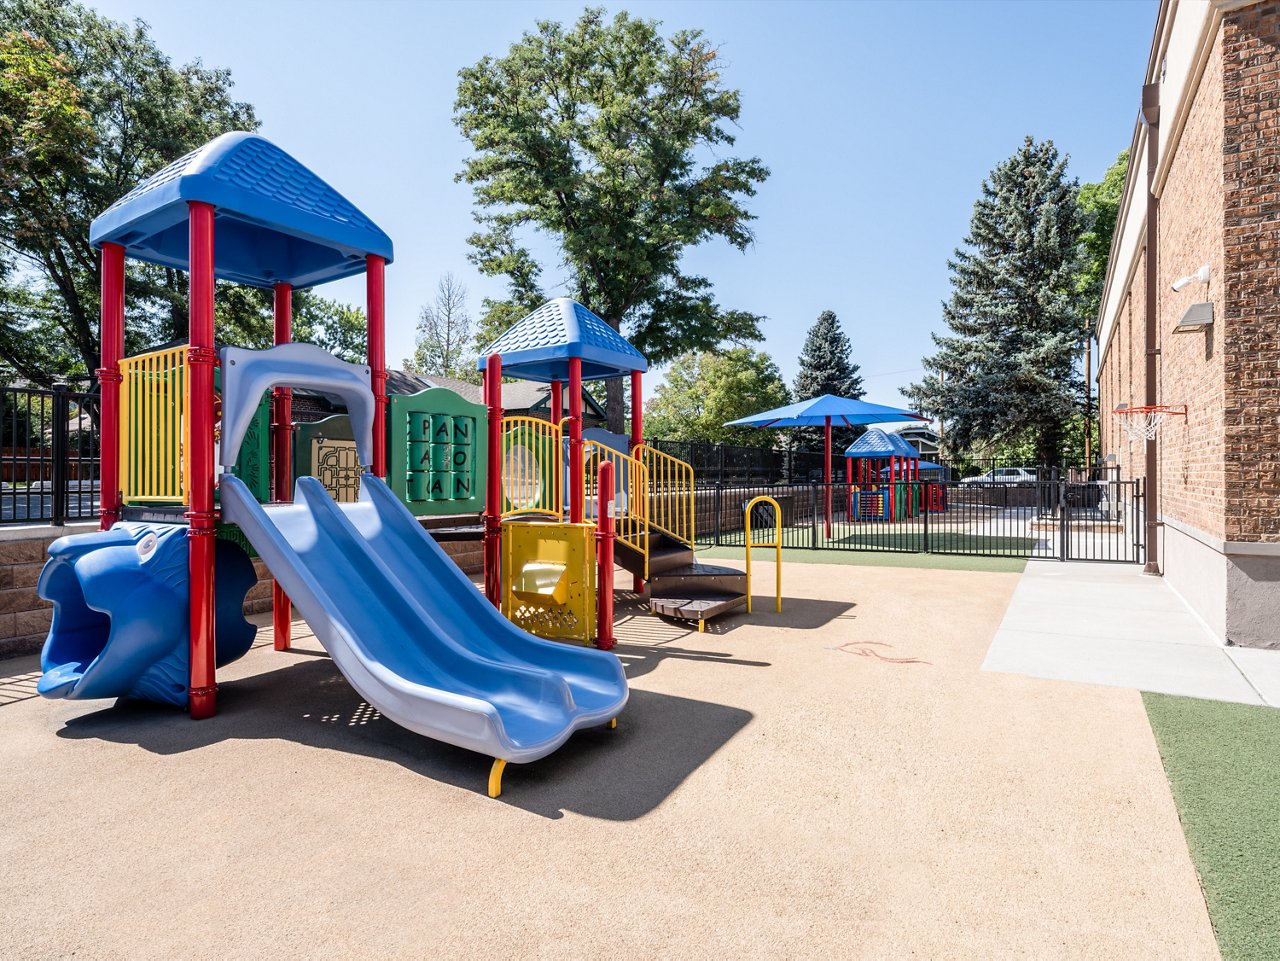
[(539, 347), (277, 222), (880, 443)]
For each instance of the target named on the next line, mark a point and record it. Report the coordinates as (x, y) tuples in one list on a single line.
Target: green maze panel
[(436, 452)]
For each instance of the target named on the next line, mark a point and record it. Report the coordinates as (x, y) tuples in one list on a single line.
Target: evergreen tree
[(1009, 363), (827, 367)]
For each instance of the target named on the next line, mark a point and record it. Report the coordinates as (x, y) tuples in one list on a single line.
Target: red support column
[(112, 349), (493, 483), (893, 487), (375, 280), (557, 402), (202, 358), (577, 508), (604, 558), (637, 410), (848, 479), (282, 441), (826, 470)]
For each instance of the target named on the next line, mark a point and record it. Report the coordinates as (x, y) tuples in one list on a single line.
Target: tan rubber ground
[(836, 781)]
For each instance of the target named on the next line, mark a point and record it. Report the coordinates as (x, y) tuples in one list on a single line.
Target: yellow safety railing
[(776, 543), (631, 501), (532, 467), (155, 432), (671, 494)]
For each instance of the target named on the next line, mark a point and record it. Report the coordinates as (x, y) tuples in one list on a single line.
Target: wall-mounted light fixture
[(1201, 275), (1197, 317)]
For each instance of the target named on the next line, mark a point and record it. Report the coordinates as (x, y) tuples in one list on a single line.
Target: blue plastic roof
[(880, 443), (539, 347), (277, 222), (843, 411)]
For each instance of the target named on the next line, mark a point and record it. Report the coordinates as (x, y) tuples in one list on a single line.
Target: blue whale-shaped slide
[(121, 616), (412, 634)]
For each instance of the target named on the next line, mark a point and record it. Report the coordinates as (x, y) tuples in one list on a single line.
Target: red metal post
[(112, 350), (493, 483), (893, 487), (577, 469), (637, 410), (202, 358), (848, 479), (826, 469), (282, 438), (375, 281), (557, 401), (604, 558)]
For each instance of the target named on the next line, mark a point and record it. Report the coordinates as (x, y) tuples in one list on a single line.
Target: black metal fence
[(1055, 520), (48, 455)]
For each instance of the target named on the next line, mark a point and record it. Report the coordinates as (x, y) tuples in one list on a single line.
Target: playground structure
[(882, 472), (636, 502), (138, 607)]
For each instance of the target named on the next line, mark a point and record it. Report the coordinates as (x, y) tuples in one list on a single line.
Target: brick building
[(1201, 210)]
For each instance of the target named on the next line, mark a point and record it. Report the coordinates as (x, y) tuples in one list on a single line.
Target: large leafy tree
[(703, 391), (1100, 204), (610, 139), (827, 367), (88, 108), (1008, 364)]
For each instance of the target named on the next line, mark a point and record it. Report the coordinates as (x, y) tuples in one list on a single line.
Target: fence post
[(813, 516), (926, 513), (58, 472), (1064, 522), (715, 507), (721, 475)]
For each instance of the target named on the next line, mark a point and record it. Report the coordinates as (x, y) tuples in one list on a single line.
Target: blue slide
[(121, 616), (413, 635)]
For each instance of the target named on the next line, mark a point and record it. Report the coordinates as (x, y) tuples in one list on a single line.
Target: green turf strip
[(937, 562), (1223, 763)]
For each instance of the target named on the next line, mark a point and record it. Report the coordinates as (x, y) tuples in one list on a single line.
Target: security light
[(1197, 317), (1201, 275)]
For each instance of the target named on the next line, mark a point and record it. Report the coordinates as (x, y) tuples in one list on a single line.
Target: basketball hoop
[(1143, 423)]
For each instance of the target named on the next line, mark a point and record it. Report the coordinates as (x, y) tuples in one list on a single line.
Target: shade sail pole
[(826, 470)]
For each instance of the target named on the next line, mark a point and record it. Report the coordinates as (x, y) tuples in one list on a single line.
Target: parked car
[(1003, 475)]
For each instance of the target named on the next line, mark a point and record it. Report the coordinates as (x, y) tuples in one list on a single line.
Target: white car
[(1004, 475)]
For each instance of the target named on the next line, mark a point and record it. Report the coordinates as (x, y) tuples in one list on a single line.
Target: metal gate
[(1050, 520)]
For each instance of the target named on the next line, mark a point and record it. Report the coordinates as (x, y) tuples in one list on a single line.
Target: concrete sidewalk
[(1111, 624)]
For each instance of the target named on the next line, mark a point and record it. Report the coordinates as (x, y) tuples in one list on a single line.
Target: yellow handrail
[(776, 543), (631, 501), (532, 467), (671, 493), (154, 430)]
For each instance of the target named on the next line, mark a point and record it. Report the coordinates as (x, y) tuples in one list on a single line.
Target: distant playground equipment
[(764, 509), (883, 475), (150, 606)]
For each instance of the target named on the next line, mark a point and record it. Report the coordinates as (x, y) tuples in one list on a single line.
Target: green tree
[(1100, 207), (1009, 362), (339, 328), (1100, 204), (132, 111), (608, 138), (703, 391), (827, 367), (444, 344)]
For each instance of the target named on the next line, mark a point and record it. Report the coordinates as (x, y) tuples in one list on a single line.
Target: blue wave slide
[(120, 614), (412, 634)]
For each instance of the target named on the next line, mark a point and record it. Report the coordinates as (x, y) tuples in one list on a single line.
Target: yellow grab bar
[(776, 543)]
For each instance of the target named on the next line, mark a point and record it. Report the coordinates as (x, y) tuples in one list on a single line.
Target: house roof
[(540, 346), (276, 221)]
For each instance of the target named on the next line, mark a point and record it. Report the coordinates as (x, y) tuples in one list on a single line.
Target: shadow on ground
[(617, 775)]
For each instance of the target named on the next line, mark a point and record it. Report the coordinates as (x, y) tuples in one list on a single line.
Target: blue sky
[(879, 121)]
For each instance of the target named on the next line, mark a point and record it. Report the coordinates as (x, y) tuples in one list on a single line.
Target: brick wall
[(1190, 367), (1251, 334)]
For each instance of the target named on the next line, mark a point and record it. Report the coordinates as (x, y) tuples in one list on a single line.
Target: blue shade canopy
[(540, 346), (880, 443), (843, 411), (277, 222)]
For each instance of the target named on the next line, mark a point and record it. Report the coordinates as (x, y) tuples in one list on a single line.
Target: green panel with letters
[(437, 453)]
